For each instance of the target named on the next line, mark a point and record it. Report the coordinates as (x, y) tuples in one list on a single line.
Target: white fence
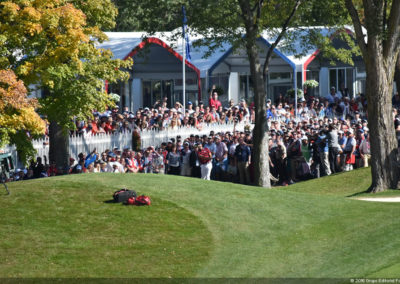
[(101, 142), (155, 137)]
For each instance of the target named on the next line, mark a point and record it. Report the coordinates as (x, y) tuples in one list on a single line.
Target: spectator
[(52, 170), (213, 100), (242, 161), (323, 151), (333, 148), (173, 161), (333, 96), (365, 151), (205, 159), (185, 160), (221, 158), (38, 168), (349, 149), (158, 161)]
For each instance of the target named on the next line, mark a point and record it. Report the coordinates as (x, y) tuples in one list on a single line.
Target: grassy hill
[(62, 227)]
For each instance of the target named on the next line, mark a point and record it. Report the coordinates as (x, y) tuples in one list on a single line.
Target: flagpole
[(186, 53), (183, 72)]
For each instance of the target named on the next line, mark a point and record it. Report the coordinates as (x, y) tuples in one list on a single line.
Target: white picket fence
[(101, 142)]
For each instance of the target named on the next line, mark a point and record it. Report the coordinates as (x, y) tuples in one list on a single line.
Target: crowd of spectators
[(161, 117), (329, 135)]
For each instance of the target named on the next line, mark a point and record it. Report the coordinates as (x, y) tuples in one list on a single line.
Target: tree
[(18, 120), (253, 22), (397, 74), (52, 44), (378, 36), (157, 16)]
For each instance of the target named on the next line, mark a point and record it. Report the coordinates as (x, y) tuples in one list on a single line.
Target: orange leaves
[(52, 43), (30, 18), (17, 112), (71, 17), (12, 91), (9, 9), (47, 33)]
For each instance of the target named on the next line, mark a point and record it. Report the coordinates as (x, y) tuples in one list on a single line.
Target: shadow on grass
[(388, 192), (358, 193)]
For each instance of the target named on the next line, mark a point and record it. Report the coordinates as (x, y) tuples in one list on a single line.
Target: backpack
[(123, 195), (142, 200)]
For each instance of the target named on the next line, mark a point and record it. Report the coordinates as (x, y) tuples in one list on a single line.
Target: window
[(246, 88), (220, 80), (146, 93), (313, 75), (333, 78), (156, 90), (342, 78), (299, 80), (280, 76), (191, 90), (118, 88)]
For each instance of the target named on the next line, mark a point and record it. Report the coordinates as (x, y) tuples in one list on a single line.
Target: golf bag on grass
[(123, 195)]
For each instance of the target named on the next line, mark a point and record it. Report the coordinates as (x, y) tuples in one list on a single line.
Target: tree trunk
[(397, 74), (380, 53), (379, 90), (260, 154), (59, 147)]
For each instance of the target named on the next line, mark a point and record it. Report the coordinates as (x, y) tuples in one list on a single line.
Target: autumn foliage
[(18, 119), (52, 45)]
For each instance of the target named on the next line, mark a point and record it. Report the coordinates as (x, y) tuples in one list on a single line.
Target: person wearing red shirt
[(94, 122), (108, 128), (205, 159), (213, 100), (52, 171)]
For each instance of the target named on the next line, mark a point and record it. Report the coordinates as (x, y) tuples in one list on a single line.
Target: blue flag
[(185, 34)]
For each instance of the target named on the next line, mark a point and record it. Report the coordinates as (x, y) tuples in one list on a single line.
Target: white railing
[(86, 144), (101, 142)]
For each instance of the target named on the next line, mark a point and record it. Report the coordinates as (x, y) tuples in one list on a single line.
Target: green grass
[(61, 227)]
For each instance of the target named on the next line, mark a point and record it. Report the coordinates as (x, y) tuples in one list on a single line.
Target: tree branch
[(393, 30), (257, 6), (357, 27), (384, 20), (278, 39)]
